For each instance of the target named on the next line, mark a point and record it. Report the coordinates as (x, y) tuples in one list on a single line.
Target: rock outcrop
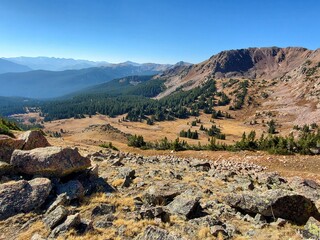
[(23, 196), (275, 203), (49, 161), (26, 141)]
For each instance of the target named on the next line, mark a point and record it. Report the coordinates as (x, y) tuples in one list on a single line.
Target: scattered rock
[(126, 172), (157, 195), (186, 206), (49, 161), (217, 230), (156, 233), (103, 209), (23, 196), (72, 221), (61, 200), (56, 217)]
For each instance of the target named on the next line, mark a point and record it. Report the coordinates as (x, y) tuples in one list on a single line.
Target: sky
[(161, 31)]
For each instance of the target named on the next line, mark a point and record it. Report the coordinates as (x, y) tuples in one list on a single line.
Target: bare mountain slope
[(252, 63), (289, 77)]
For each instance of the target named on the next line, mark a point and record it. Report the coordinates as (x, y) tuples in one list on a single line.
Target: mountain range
[(8, 66)]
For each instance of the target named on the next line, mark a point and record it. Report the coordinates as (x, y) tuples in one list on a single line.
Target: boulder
[(73, 189), (187, 206), (156, 233), (159, 195), (155, 212), (103, 209), (275, 203), (5, 168), (33, 139), (26, 141), (72, 221), (126, 172), (306, 187), (7, 146), (61, 200), (23, 196), (56, 217), (49, 161)]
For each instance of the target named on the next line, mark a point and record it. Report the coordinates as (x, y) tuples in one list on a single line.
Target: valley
[(215, 150)]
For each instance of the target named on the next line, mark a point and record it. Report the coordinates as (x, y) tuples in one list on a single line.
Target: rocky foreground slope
[(49, 192)]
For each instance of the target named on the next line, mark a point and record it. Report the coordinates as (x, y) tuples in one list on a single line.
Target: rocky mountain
[(8, 66), (251, 63)]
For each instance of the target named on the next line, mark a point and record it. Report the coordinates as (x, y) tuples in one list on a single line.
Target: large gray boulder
[(49, 161), (26, 141), (23, 196), (275, 204)]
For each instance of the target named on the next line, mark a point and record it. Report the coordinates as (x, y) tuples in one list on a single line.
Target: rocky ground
[(49, 192)]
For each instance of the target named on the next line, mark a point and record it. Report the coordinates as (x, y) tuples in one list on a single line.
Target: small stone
[(217, 230)]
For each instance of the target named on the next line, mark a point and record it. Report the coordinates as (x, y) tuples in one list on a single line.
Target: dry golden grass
[(101, 234), (117, 182), (119, 201), (37, 227), (132, 227), (204, 233)]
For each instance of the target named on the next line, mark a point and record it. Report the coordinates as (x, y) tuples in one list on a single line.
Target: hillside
[(8, 66), (49, 84), (252, 63)]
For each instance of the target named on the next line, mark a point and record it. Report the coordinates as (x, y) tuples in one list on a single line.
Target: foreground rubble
[(112, 195)]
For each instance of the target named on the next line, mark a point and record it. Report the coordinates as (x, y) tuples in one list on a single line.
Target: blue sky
[(163, 31)]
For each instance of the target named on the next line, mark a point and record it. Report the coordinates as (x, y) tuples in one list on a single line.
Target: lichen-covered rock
[(49, 161), (275, 203), (312, 229), (23, 196)]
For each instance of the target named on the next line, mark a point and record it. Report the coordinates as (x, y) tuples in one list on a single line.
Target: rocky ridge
[(129, 196)]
